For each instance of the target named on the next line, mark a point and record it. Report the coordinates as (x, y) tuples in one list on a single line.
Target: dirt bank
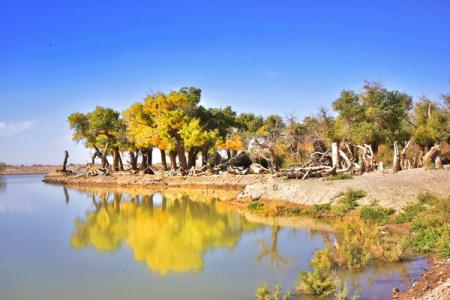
[(234, 182), (391, 190), (434, 284)]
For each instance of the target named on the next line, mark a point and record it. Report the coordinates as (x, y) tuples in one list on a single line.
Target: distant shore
[(28, 170)]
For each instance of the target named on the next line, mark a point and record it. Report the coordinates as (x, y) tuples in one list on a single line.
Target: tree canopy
[(176, 122)]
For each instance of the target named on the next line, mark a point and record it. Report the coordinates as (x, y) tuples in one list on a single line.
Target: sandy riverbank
[(390, 190)]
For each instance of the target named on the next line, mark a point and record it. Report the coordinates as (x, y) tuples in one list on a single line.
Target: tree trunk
[(438, 162), (430, 157), (192, 157), (133, 160), (173, 159), (403, 162), (97, 153), (120, 161), (150, 157), (144, 161), (335, 155), (66, 157), (273, 159), (105, 163), (228, 154), (396, 161), (181, 156), (163, 159), (204, 157), (116, 158)]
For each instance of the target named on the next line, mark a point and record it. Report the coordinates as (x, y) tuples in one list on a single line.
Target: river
[(62, 243)]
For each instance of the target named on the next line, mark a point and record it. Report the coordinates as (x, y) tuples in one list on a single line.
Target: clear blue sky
[(58, 57)]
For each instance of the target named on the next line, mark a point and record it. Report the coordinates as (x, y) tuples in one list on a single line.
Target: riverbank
[(27, 170), (389, 190)]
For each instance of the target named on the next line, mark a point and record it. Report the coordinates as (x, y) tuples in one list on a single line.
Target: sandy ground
[(390, 190)]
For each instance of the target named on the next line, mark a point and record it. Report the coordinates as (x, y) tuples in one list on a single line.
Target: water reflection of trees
[(170, 236), (2, 184), (271, 250)]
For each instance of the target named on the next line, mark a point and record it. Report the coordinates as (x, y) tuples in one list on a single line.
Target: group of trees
[(179, 127)]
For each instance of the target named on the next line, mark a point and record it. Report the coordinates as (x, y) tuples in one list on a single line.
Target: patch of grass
[(339, 176), (433, 239), (294, 211), (256, 207), (316, 283), (348, 201), (264, 293), (376, 213), (408, 213), (430, 224), (318, 209)]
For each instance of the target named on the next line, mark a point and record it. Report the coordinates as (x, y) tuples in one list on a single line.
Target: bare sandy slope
[(391, 190)]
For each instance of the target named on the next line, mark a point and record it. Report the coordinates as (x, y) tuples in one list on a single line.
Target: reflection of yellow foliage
[(172, 237)]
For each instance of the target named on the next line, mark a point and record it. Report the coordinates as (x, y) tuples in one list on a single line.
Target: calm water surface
[(59, 243)]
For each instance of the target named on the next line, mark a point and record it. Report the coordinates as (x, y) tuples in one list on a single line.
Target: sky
[(60, 57)]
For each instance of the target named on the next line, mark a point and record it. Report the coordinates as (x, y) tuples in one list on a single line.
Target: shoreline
[(388, 189)]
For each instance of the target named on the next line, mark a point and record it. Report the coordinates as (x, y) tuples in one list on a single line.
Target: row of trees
[(182, 129)]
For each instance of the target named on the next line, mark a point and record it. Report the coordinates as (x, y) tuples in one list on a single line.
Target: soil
[(434, 284)]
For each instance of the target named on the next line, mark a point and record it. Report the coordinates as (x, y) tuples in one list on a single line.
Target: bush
[(339, 176), (263, 293), (357, 242), (3, 165), (431, 239), (294, 211), (256, 206), (323, 260), (409, 212), (348, 201), (318, 209), (316, 283), (430, 224), (375, 213)]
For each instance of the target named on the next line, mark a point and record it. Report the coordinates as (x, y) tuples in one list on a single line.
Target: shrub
[(294, 211), (323, 260), (263, 293), (433, 238), (339, 176), (357, 242), (348, 201), (318, 209), (256, 206), (409, 212), (430, 224), (316, 283), (3, 165), (375, 213)]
